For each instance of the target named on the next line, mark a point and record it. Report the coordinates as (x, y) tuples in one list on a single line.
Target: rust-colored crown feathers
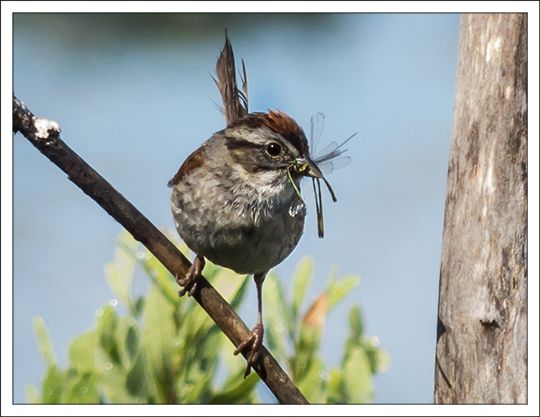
[(279, 122)]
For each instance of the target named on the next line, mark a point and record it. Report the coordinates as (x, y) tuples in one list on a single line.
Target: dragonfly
[(327, 160)]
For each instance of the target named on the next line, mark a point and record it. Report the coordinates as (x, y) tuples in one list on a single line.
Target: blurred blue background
[(134, 97)]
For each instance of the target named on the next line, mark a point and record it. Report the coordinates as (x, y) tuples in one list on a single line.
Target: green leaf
[(159, 338), (32, 394), (358, 380), (276, 317), (138, 306), (238, 296), (160, 276), (197, 333), (112, 380), (84, 391), (52, 386), (204, 354), (356, 323), (136, 378), (106, 330), (306, 350), (302, 282), (43, 338), (379, 359), (238, 390), (200, 392), (81, 353), (337, 290), (313, 386), (132, 342), (336, 389), (311, 330)]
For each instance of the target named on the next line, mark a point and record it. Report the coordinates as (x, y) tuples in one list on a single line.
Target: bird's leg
[(189, 282), (254, 342)]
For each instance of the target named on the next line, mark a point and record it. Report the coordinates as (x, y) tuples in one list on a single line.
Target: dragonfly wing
[(342, 162), (317, 126), (328, 149), (327, 167)]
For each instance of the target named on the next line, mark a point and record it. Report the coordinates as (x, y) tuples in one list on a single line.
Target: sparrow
[(236, 200)]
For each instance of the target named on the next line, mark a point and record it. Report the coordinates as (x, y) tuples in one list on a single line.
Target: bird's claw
[(191, 279), (253, 346)]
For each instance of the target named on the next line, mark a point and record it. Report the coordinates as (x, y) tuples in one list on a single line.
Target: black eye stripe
[(236, 143), (272, 148)]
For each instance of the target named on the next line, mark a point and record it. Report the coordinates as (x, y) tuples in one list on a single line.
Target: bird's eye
[(273, 149)]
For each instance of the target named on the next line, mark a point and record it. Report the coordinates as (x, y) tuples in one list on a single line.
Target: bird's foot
[(252, 346), (189, 282)]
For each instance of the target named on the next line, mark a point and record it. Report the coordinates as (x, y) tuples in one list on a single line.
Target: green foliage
[(165, 349), (349, 382)]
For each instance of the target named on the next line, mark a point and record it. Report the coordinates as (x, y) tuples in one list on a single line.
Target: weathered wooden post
[(482, 329)]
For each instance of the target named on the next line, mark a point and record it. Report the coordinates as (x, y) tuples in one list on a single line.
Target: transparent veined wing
[(327, 150), (317, 126), (326, 159), (327, 167), (331, 151)]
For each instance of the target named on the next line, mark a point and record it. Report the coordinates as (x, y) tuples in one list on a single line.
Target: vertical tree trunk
[(482, 328)]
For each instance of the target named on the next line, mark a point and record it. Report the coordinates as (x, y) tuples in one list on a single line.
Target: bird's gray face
[(270, 142)]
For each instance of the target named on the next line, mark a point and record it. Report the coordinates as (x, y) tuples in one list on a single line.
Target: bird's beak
[(307, 167)]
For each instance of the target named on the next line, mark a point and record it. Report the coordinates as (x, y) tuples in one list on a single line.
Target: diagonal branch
[(45, 136)]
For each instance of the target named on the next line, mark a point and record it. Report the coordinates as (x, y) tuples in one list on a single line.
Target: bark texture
[(482, 328)]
